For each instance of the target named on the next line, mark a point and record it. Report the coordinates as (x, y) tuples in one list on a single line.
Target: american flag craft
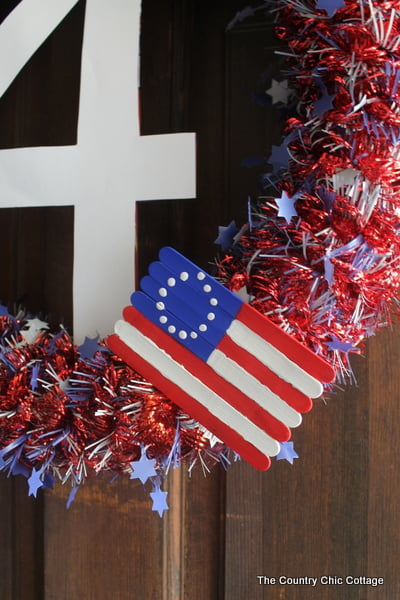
[(219, 359)]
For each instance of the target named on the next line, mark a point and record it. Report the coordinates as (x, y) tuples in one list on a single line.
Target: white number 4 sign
[(111, 166)]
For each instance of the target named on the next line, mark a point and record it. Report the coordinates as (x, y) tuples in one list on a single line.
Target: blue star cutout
[(279, 157), (226, 235), (34, 482), (337, 344), (90, 346), (159, 500), (323, 104), (286, 206), (143, 468), (330, 5), (19, 469), (287, 452)]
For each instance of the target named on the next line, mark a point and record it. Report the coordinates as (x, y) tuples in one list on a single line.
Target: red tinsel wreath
[(319, 256)]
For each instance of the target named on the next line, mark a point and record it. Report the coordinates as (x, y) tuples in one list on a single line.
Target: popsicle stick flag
[(220, 360)]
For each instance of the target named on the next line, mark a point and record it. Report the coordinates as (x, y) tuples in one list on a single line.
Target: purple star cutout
[(323, 104), (226, 235), (287, 452), (286, 206), (337, 344), (330, 5), (159, 500), (34, 482), (143, 468), (279, 157), (89, 347), (19, 469)]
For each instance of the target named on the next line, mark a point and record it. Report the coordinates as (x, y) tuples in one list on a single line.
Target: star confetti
[(159, 500), (226, 235), (287, 452), (143, 468), (330, 6), (337, 344), (286, 206), (32, 329), (279, 91), (90, 346), (35, 482)]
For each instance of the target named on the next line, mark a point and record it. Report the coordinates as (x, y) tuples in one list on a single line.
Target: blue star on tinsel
[(287, 452), (159, 500), (279, 157), (35, 482), (286, 206), (336, 344), (90, 346), (226, 235), (143, 468), (330, 5)]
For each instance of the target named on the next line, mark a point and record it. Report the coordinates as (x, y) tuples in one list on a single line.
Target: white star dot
[(200, 276), (193, 335), (213, 301), (163, 292), (182, 334), (184, 276), (171, 281), (207, 288), (203, 327), (211, 316), (160, 306), (171, 329), (163, 319)]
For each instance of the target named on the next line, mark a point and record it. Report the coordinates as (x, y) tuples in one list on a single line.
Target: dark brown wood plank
[(309, 518), (384, 447)]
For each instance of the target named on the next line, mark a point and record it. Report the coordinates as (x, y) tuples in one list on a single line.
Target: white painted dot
[(163, 320), (203, 327), (193, 335), (160, 306), (162, 292), (207, 288), (211, 316), (184, 276), (171, 329), (200, 276), (171, 281), (213, 302), (182, 334)]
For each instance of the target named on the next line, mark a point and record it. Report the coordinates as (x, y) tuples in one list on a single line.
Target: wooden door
[(334, 512)]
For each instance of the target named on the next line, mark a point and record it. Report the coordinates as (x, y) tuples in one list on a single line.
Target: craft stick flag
[(218, 358)]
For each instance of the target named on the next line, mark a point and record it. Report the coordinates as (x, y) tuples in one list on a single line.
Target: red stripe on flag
[(289, 394), (246, 450), (305, 358), (198, 368)]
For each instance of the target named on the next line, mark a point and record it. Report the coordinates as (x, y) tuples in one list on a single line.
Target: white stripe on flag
[(196, 388), (231, 371), (275, 360)]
